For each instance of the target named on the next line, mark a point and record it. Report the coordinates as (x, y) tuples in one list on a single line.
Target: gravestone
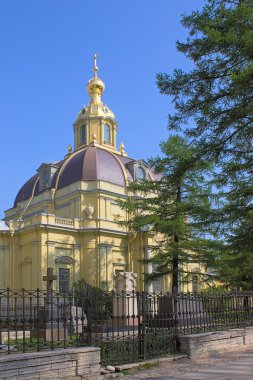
[(183, 310), (125, 301), (76, 319), (49, 326)]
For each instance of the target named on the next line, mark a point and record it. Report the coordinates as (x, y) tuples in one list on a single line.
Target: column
[(148, 268), (77, 262), (102, 263), (105, 252)]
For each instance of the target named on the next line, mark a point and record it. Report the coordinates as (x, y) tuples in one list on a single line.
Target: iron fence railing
[(128, 326)]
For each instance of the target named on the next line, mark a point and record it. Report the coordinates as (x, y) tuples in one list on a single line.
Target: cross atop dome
[(95, 85), (96, 119), (95, 68)]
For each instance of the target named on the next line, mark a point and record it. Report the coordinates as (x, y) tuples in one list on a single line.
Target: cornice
[(118, 264)]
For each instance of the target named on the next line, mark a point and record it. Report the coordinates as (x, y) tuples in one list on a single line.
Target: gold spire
[(95, 68), (95, 123), (95, 86)]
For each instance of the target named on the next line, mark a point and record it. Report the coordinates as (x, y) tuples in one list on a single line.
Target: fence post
[(144, 311), (139, 312), (37, 318), (175, 301), (89, 315), (8, 320)]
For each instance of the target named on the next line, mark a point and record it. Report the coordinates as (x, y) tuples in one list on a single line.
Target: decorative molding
[(104, 230), (50, 243), (117, 264), (61, 244), (37, 212), (65, 260), (60, 227), (95, 190)]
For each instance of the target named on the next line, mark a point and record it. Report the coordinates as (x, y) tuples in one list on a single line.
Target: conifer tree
[(234, 263), (216, 96), (174, 207)]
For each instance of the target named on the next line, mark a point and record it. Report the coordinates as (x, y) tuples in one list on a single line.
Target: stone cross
[(49, 327), (49, 278)]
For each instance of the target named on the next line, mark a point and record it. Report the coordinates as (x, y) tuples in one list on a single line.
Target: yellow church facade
[(66, 215)]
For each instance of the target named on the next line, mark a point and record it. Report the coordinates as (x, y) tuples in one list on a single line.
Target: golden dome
[(95, 85)]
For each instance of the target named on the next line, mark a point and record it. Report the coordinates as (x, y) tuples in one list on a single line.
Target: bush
[(92, 299)]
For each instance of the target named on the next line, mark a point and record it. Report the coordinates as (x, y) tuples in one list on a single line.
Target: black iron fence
[(128, 326)]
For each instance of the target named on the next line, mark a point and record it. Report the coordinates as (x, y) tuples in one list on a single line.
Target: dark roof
[(89, 164), (92, 164), (26, 190)]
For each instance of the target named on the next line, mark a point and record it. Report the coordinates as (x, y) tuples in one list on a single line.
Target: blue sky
[(46, 61)]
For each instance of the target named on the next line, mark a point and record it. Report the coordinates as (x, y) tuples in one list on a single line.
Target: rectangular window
[(64, 279), (158, 282)]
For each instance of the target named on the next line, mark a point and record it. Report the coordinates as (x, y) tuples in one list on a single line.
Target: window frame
[(67, 288), (107, 129), (83, 134)]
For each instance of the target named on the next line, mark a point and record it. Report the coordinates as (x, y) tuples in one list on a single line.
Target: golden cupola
[(95, 123), (95, 85)]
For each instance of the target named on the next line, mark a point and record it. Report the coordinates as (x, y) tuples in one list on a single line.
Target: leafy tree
[(93, 299), (216, 96), (175, 207)]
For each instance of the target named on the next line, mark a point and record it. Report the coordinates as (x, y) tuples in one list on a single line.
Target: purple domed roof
[(89, 164), (92, 164), (26, 190)]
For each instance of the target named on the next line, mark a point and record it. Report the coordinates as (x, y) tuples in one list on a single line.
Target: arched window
[(83, 134), (139, 173), (107, 133)]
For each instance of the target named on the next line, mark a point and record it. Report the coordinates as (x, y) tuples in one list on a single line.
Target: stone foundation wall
[(249, 335), (206, 343), (79, 363)]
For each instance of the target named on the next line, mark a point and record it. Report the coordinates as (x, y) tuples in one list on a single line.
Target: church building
[(66, 215)]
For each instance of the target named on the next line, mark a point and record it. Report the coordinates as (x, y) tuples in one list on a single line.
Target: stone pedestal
[(49, 325), (125, 309), (186, 311), (75, 319)]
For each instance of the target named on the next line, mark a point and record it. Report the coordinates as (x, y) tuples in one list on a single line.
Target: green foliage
[(214, 108), (82, 286), (93, 300), (235, 264), (175, 207)]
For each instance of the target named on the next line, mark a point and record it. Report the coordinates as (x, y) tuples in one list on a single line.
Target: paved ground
[(233, 365)]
